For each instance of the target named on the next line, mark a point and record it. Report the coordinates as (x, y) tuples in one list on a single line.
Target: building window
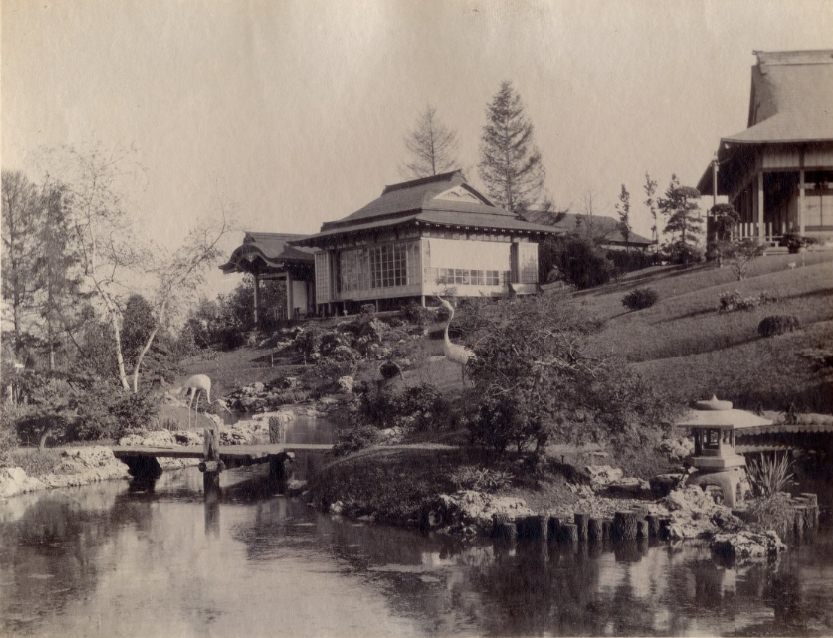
[(388, 266), (352, 270), (466, 277)]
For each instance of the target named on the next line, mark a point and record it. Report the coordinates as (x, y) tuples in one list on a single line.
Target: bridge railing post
[(211, 465)]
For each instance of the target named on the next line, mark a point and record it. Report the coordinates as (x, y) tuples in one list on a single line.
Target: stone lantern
[(713, 425)]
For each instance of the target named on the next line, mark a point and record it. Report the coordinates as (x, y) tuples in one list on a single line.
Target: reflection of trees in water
[(48, 558)]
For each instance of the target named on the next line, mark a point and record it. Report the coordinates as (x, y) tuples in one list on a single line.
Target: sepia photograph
[(430, 318)]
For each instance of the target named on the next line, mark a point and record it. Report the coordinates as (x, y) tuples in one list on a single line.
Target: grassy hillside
[(685, 345)]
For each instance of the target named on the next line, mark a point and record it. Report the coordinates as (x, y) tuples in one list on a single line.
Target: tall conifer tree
[(510, 164)]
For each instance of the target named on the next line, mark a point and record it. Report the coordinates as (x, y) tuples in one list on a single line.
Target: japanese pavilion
[(270, 256), (778, 172), (421, 238)]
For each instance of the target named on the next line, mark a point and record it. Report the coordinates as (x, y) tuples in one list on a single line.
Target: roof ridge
[(439, 177)]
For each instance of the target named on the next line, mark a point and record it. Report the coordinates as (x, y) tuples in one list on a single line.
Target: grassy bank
[(686, 346)]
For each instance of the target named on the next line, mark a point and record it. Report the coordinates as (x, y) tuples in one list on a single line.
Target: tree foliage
[(432, 146), (510, 164), (683, 221), (623, 209), (21, 211), (650, 189), (537, 380), (575, 259)]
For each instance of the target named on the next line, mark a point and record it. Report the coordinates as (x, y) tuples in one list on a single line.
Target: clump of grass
[(36, 462), (773, 512), (769, 475), (482, 479)]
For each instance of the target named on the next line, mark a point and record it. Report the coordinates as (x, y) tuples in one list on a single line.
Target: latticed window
[(388, 266)]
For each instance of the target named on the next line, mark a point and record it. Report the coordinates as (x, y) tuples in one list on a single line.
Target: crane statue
[(192, 386), (452, 351)]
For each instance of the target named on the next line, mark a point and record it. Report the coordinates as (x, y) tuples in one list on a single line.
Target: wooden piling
[(798, 522), (594, 529), (625, 525), (580, 520), (568, 533), (506, 531), (532, 527), (211, 465), (642, 529), (653, 525), (607, 528), (553, 524)]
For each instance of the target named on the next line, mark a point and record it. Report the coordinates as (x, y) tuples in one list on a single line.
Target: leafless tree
[(432, 146)]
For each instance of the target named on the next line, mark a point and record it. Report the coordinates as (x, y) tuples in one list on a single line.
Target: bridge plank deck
[(251, 453)]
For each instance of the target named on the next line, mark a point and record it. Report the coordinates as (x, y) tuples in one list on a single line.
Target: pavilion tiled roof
[(273, 249), (416, 202), (604, 228), (790, 101)]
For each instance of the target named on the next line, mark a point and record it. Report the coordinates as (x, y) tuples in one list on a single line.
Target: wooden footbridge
[(143, 461), (811, 432)]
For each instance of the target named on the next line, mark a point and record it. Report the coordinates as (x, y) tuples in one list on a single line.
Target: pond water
[(106, 560)]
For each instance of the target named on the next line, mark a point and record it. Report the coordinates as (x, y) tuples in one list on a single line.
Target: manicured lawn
[(685, 346)]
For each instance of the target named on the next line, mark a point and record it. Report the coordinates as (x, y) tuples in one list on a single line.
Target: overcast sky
[(296, 111)]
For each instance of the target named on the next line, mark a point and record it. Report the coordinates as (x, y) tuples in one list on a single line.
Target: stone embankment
[(91, 464)]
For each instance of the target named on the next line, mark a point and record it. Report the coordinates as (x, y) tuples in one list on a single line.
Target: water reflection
[(110, 560)]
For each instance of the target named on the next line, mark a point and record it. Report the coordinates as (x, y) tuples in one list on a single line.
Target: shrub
[(469, 477), (367, 309), (741, 254), (416, 314), (8, 436), (770, 474), (560, 390), (308, 343), (795, 242), (426, 407), (577, 260), (731, 301), (640, 298), (777, 325), (354, 439)]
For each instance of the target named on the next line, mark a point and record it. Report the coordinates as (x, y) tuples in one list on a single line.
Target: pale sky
[(296, 111)]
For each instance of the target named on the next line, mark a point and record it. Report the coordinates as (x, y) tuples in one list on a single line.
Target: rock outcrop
[(747, 545), (470, 513)]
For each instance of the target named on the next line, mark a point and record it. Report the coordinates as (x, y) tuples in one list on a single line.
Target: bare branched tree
[(432, 145)]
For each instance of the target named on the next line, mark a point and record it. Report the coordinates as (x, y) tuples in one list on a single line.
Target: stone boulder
[(695, 514), (663, 484), (469, 511), (628, 487), (155, 438), (345, 384), (14, 481), (747, 545), (602, 475)]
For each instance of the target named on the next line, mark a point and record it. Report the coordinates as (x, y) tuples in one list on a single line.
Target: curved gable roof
[(791, 99), (273, 249)]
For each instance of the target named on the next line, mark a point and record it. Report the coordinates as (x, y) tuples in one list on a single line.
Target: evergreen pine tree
[(510, 164)]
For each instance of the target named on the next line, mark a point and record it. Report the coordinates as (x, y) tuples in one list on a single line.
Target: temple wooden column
[(801, 206), (760, 205), (290, 315), (256, 297)]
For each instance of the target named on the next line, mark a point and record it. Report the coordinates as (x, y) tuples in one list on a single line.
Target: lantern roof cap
[(715, 413)]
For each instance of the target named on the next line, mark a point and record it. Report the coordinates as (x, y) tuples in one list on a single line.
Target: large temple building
[(778, 172), (429, 236)]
